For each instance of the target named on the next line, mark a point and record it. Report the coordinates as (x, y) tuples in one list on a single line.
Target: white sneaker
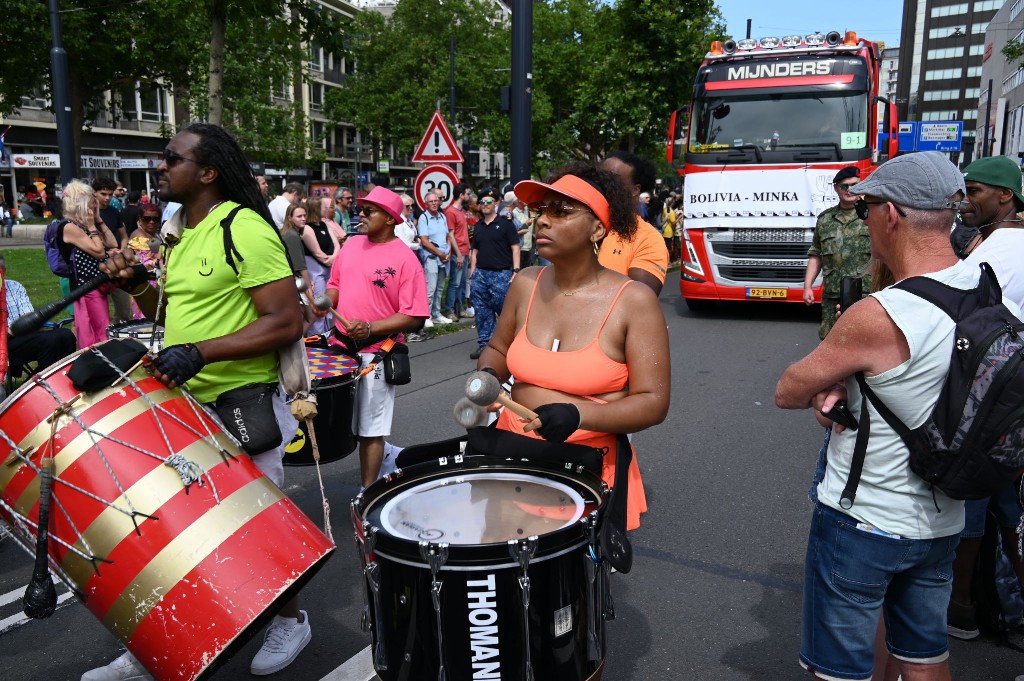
[(441, 319), (124, 668), (469, 312), (285, 639), (429, 324)]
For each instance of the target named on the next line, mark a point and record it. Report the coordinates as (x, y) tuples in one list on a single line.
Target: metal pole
[(522, 87), (985, 151), (749, 21), (61, 98)]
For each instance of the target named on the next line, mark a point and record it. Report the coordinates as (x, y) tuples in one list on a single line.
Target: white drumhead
[(481, 508)]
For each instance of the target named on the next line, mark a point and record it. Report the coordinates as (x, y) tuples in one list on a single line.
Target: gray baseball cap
[(925, 179)]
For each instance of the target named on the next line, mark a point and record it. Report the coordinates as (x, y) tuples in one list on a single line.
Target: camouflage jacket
[(843, 243)]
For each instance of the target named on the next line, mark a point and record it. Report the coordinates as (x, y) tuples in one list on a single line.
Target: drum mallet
[(469, 414), (323, 303), (483, 389)]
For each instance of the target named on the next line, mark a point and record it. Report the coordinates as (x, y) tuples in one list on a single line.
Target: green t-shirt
[(205, 299)]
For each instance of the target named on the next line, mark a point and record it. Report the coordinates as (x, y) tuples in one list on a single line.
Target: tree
[(402, 72), (111, 47)]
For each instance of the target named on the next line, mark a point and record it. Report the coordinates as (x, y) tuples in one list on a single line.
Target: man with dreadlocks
[(230, 305)]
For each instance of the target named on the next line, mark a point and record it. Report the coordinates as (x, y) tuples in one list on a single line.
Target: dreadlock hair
[(218, 149), (619, 196)]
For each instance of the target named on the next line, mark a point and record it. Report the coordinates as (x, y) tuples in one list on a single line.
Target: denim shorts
[(1005, 505), (853, 575)]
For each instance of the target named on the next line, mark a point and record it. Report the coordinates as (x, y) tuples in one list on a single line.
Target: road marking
[(15, 621), (358, 668)]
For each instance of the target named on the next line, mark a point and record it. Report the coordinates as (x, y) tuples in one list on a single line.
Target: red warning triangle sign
[(438, 145)]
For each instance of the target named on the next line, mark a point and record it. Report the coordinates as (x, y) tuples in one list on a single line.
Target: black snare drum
[(148, 333), (486, 569), (333, 376)]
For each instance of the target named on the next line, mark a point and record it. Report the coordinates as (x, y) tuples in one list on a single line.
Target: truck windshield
[(780, 121)]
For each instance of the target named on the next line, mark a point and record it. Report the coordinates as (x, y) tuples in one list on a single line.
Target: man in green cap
[(994, 198), (841, 247)]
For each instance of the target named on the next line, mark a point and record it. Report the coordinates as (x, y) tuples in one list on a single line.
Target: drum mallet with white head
[(469, 414), (482, 388)]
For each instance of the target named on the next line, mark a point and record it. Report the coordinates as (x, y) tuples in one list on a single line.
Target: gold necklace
[(578, 289)]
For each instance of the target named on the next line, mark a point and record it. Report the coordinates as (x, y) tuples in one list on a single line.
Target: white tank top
[(891, 497)]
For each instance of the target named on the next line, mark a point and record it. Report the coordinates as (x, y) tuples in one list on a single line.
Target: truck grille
[(762, 250), (768, 236), (781, 275)]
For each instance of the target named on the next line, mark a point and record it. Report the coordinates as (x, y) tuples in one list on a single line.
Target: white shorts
[(374, 405)]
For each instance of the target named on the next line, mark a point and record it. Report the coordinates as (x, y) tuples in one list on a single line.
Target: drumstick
[(36, 318), (484, 389), (323, 303)]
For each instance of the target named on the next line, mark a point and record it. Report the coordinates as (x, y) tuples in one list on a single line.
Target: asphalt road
[(715, 589)]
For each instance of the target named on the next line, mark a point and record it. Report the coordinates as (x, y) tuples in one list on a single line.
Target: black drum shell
[(565, 586), (332, 424)]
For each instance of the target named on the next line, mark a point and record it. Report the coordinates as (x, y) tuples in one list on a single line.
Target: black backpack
[(972, 444)]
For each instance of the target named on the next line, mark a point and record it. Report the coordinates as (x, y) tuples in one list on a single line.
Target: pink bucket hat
[(387, 201)]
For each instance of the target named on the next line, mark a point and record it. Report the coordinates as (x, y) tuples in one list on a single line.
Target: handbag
[(247, 414), (397, 370)]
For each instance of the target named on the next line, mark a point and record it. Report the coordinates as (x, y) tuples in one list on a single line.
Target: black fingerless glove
[(559, 421), (180, 362)]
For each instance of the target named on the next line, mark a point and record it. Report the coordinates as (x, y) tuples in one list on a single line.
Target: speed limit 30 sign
[(438, 179)]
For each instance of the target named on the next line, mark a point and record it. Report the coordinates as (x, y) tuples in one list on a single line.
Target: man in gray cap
[(889, 550)]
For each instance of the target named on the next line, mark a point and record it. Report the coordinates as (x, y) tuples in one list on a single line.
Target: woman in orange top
[(588, 348)]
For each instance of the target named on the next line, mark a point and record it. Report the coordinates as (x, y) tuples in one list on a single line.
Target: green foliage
[(1013, 50), (29, 268), (402, 72), (112, 46)]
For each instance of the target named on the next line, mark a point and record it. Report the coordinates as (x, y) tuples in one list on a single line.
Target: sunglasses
[(149, 218), (486, 202), (848, 186), (367, 210), (863, 208), (343, 198), (172, 158), (555, 209)]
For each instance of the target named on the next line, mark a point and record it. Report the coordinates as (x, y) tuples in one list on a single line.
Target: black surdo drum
[(482, 568)]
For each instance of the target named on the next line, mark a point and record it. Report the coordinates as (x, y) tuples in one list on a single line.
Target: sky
[(877, 20)]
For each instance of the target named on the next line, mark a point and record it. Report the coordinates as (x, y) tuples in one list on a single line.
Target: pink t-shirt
[(457, 223), (374, 281)]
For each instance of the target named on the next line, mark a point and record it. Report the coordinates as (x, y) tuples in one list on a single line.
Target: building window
[(949, 10), (316, 59), (1013, 80), (279, 89), (971, 113), (946, 53), (1015, 9), (144, 102), (977, 50), (986, 5), (316, 96), (939, 116), (974, 72), (35, 100)]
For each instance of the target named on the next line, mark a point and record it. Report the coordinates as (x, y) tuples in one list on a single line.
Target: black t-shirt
[(112, 219), (323, 239), (129, 218), (493, 242)]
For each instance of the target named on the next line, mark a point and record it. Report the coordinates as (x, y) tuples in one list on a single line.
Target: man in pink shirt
[(378, 287)]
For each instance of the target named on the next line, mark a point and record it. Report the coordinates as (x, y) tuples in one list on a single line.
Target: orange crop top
[(587, 371)]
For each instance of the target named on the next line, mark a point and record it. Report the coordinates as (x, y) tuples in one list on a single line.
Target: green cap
[(997, 171)]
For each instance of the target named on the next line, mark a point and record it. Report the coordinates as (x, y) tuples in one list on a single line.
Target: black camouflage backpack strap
[(860, 446), (230, 252), (953, 301)]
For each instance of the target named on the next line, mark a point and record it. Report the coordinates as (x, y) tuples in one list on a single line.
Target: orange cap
[(578, 189)]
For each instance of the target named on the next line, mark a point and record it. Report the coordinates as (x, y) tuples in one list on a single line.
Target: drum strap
[(614, 542)]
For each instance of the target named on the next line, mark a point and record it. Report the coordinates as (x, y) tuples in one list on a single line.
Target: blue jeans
[(488, 297), (453, 299), (852, 575), (437, 274), (1004, 505)]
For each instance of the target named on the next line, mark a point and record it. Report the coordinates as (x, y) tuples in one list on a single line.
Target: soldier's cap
[(489, 193), (997, 171), (924, 180), (846, 173)]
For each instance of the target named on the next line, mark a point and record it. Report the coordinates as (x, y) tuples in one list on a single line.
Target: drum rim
[(475, 556), (41, 374)]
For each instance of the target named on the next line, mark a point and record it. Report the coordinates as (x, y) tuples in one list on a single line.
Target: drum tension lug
[(436, 555)]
